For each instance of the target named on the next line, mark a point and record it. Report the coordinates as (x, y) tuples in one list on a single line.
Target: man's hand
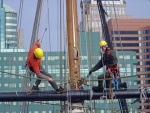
[(38, 38), (50, 79), (88, 76), (111, 74), (90, 72), (39, 45)]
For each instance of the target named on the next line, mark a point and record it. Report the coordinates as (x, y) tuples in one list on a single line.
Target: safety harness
[(113, 69), (114, 73)]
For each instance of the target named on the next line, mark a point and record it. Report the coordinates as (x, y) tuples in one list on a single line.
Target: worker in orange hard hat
[(109, 59), (34, 64)]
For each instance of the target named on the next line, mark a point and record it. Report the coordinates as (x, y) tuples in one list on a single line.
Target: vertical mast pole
[(73, 52)]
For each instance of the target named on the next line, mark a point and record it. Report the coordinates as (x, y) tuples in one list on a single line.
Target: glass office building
[(8, 30), (11, 28), (2, 25)]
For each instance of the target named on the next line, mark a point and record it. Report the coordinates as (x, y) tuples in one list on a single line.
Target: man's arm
[(99, 65), (114, 58), (37, 43), (113, 53)]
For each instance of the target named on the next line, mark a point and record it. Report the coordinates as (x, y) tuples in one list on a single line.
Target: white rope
[(137, 100), (148, 89), (90, 102), (104, 76), (67, 65), (85, 36), (120, 40), (143, 93), (104, 83), (103, 97)]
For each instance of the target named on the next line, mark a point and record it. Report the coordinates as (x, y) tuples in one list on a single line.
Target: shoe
[(123, 85), (97, 89), (59, 90), (35, 88)]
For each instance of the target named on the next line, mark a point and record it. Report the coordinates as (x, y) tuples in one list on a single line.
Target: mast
[(75, 105), (73, 46)]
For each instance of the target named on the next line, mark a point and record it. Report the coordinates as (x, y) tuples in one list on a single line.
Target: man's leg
[(103, 76), (37, 82), (35, 85), (110, 84), (53, 83), (100, 83)]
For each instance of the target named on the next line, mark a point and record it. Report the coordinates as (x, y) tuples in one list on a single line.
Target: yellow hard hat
[(38, 52), (102, 43)]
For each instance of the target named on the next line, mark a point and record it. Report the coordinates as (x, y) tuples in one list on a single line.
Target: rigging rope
[(143, 96), (114, 12), (64, 34), (64, 80), (23, 108), (119, 39), (136, 100), (88, 45), (67, 62), (115, 110)]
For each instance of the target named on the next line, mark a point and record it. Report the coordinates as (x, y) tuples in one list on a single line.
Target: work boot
[(35, 88), (97, 89), (123, 85), (59, 90)]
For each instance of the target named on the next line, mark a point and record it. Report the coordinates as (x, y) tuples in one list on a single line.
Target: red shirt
[(32, 61)]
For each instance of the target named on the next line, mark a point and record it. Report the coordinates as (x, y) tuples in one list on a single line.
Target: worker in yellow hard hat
[(34, 64), (108, 59), (102, 43)]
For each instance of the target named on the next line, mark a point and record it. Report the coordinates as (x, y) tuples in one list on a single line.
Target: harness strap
[(29, 71), (113, 70)]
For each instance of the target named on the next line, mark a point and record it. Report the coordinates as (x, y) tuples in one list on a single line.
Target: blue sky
[(136, 8)]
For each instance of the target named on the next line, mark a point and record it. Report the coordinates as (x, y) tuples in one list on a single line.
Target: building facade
[(90, 15), (21, 38), (134, 35), (11, 28), (2, 24), (10, 37)]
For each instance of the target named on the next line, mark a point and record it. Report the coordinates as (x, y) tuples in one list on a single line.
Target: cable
[(58, 80), (136, 100), (43, 35)]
